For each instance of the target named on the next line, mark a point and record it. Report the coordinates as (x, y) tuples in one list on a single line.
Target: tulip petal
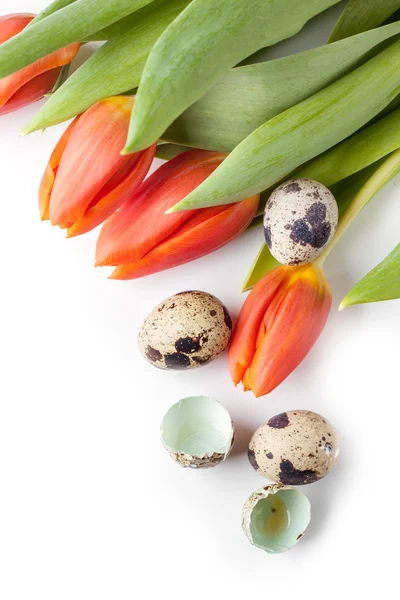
[(245, 336), (203, 233), (90, 159), (32, 91), (141, 224), (47, 183), (115, 193), (294, 321), (13, 24), (10, 85)]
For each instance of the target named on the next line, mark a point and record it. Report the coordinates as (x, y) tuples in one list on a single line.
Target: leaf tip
[(173, 209)]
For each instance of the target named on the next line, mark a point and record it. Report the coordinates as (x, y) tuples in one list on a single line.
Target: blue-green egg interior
[(197, 426), (279, 520)]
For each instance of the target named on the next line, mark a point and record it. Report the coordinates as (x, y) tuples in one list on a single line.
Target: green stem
[(382, 176)]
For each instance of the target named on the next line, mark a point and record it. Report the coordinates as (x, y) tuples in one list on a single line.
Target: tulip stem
[(380, 178)]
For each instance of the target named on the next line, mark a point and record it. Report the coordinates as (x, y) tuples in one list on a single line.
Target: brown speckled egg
[(300, 219), (185, 331), (294, 448)]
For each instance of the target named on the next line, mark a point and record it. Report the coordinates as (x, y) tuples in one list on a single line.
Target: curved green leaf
[(50, 9), (242, 101), (361, 15), (122, 59), (249, 96), (263, 264), (71, 24), (199, 47), (169, 151), (382, 283), (277, 148), (355, 153)]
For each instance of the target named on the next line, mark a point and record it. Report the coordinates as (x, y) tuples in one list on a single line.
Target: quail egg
[(185, 331), (198, 432), (294, 448), (275, 518), (300, 219)]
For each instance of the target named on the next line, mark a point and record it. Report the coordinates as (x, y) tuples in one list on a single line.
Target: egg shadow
[(323, 496), (243, 435)]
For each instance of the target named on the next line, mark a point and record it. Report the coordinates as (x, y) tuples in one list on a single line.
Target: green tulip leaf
[(263, 264), (242, 101), (169, 151), (249, 96), (362, 15), (72, 23), (201, 46), (335, 167), (382, 283), (123, 58), (50, 9), (301, 133)]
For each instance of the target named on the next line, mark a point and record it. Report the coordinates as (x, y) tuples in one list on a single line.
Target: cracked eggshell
[(294, 448), (300, 219), (276, 517), (198, 432), (185, 331)]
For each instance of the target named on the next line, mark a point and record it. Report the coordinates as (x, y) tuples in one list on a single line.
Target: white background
[(91, 506)]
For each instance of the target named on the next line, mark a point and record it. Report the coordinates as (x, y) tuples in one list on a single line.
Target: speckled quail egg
[(294, 448), (275, 518), (198, 432), (300, 219), (185, 331)]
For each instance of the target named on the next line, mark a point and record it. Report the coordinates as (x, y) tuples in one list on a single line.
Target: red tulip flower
[(34, 81), (141, 239), (278, 325), (87, 178)]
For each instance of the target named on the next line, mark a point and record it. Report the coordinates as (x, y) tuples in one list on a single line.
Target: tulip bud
[(278, 325), (141, 239), (33, 82), (87, 178)]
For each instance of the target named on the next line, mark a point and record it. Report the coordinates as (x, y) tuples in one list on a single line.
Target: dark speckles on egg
[(252, 459), (290, 476), (227, 318), (302, 218), (177, 361), (153, 355), (268, 235), (185, 331), (187, 345), (279, 422), (292, 188)]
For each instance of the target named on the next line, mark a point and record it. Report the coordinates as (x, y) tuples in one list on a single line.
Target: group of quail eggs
[(192, 328)]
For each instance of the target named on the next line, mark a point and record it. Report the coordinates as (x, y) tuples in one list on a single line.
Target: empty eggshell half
[(275, 518), (198, 432)]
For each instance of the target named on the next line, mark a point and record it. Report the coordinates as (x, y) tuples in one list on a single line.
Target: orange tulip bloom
[(33, 82), (141, 239), (278, 325), (87, 178)]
